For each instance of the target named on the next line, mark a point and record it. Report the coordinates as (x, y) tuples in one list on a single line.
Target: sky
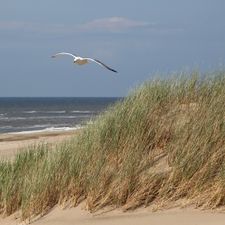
[(140, 39)]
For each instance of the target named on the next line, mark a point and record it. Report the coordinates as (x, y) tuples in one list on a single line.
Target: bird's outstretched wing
[(63, 53), (101, 64)]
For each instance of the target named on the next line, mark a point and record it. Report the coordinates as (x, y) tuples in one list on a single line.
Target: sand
[(12, 143), (78, 216), (140, 217)]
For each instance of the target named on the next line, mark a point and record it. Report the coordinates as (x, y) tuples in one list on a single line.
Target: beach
[(12, 143)]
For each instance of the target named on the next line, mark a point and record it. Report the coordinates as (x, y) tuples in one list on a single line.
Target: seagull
[(81, 61)]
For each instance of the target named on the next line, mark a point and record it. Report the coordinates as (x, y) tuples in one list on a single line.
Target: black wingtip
[(114, 71), (109, 68)]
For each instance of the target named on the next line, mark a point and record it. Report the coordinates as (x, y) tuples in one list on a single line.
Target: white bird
[(81, 61)]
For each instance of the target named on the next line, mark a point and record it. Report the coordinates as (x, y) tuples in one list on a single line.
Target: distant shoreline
[(13, 143), (40, 131)]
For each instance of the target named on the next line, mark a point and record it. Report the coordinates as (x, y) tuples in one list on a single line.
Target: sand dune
[(12, 143)]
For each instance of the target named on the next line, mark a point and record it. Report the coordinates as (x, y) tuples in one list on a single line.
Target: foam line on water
[(49, 129)]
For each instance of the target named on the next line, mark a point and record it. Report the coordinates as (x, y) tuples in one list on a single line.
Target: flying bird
[(81, 61)]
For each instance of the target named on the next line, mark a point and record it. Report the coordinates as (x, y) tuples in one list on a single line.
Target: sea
[(18, 115)]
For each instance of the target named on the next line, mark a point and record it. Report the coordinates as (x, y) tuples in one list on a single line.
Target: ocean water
[(37, 114)]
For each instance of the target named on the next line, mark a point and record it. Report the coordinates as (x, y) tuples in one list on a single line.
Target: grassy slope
[(163, 143)]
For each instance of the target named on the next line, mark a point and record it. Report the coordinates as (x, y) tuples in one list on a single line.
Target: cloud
[(113, 24), (110, 24)]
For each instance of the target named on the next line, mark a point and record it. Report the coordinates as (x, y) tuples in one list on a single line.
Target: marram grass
[(163, 143)]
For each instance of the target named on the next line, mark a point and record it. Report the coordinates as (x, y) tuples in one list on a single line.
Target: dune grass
[(163, 143)]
